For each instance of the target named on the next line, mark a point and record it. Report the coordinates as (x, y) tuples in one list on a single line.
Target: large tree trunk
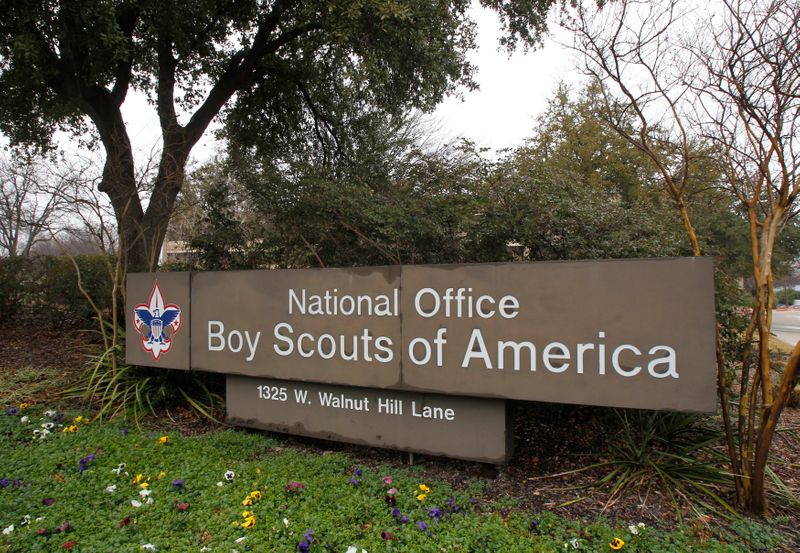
[(141, 233)]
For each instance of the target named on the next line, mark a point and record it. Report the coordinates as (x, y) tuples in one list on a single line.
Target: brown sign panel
[(459, 427), (305, 324), (636, 333), (157, 320), (624, 333)]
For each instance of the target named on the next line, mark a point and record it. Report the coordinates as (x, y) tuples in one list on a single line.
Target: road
[(786, 326)]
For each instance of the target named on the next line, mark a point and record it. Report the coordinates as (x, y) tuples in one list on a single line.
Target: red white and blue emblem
[(157, 323)]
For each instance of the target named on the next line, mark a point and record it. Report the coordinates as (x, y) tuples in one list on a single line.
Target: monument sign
[(448, 343)]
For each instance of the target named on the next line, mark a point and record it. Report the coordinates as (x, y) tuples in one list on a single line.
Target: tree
[(725, 87), (748, 85), (29, 204), (280, 70)]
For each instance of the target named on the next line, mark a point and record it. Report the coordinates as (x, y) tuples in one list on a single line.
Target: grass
[(18, 385), (344, 505)]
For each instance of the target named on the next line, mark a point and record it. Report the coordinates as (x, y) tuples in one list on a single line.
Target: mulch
[(550, 469)]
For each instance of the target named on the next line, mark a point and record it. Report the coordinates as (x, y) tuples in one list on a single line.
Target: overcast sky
[(513, 91)]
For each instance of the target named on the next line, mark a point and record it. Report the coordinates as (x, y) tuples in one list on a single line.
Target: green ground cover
[(66, 483)]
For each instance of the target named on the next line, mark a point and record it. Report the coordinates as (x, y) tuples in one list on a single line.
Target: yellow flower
[(138, 479), (422, 497), (161, 475), (255, 496), (144, 485), (616, 544), (424, 488), (247, 514), (163, 440), (70, 428), (24, 405), (249, 522), (247, 502), (79, 418)]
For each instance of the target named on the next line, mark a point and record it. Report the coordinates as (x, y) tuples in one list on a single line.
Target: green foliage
[(44, 290), (339, 513), (134, 392), (679, 450), (220, 239), (391, 202), (757, 535)]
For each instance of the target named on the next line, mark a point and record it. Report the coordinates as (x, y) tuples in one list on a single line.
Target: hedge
[(43, 291)]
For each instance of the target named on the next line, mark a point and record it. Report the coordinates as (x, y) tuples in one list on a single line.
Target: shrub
[(44, 290)]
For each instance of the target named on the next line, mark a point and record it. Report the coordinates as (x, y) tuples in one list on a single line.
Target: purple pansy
[(85, 462), (435, 513), (422, 525)]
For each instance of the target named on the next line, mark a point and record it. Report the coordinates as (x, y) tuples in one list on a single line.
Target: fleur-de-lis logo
[(157, 323)]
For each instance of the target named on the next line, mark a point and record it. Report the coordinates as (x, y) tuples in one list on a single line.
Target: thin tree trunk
[(769, 422)]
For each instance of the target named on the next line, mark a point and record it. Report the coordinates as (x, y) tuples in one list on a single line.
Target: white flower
[(112, 488), (633, 529), (39, 519), (119, 469), (49, 414), (145, 493), (136, 503), (48, 426), (25, 520), (575, 543), (286, 522), (353, 549), (220, 484), (41, 434), (229, 475), (8, 529), (149, 547), (240, 540), (149, 501), (24, 419), (205, 548), (640, 525)]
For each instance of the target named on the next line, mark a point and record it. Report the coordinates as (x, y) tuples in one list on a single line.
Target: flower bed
[(69, 483)]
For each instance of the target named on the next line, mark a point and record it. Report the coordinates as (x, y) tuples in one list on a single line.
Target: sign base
[(468, 428)]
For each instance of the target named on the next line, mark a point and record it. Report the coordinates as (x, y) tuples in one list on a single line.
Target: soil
[(552, 466)]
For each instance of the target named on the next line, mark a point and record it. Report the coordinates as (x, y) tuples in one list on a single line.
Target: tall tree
[(732, 84), (275, 68), (30, 200)]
